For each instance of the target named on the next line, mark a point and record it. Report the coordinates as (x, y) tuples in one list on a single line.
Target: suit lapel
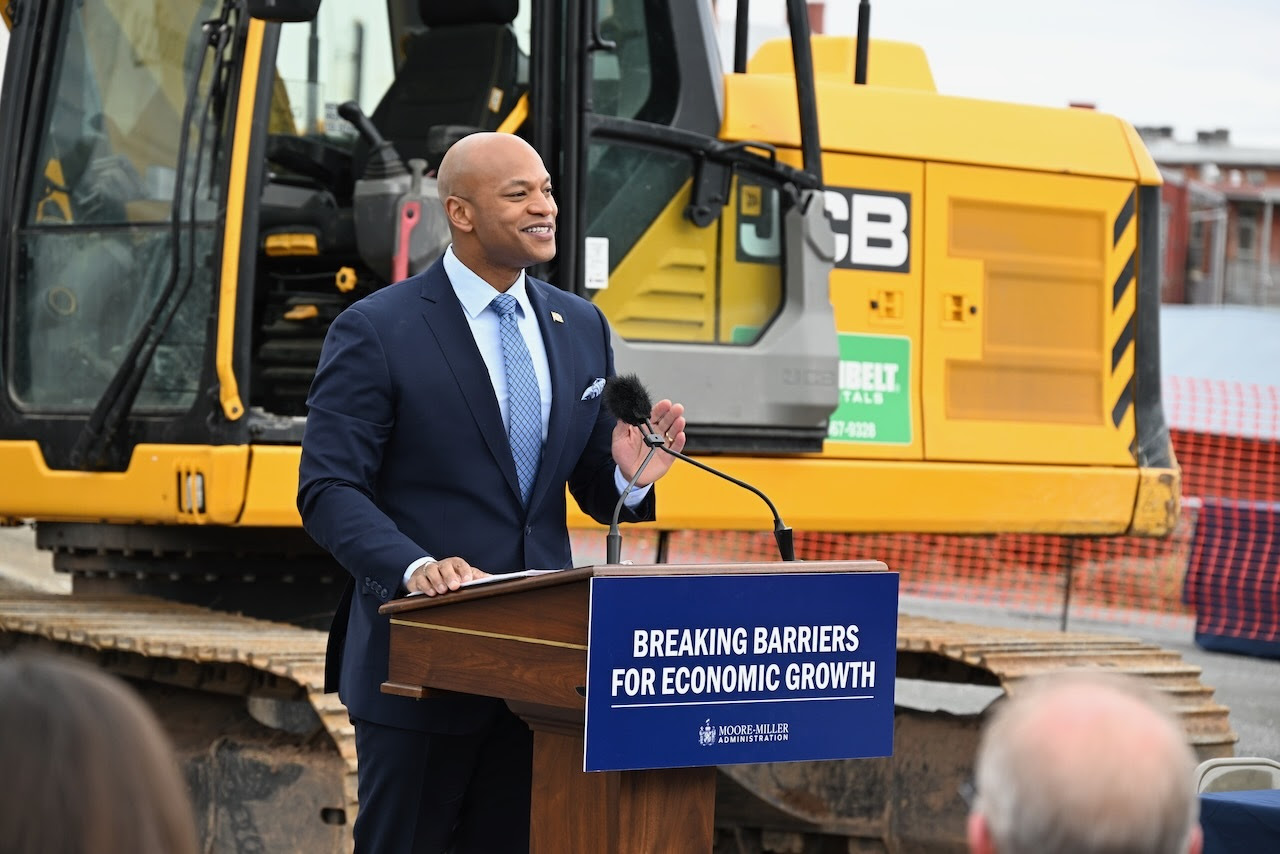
[(448, 324), (564, 385)]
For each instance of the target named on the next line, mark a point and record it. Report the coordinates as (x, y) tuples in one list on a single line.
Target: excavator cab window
[(345, 53), (701, 250), (665, 266), (637, 77), (416, 68), (669, 249), (411, 65), (308, 268), (95, 243)]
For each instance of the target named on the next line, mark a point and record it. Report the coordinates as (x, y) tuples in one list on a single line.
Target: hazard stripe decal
[(1123, 342), (1126, 340), (1123, 404), (1123, 281), (1126, 215)]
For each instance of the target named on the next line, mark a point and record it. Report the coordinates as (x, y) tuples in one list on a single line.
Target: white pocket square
[(594, 389)]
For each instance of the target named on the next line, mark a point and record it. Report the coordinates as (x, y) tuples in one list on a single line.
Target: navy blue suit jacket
[(405, 454)]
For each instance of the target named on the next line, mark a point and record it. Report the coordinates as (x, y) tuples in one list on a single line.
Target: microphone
[(624, 402), (625, 396)]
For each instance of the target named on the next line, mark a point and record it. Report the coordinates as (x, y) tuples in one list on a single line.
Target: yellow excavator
[(889, 309)]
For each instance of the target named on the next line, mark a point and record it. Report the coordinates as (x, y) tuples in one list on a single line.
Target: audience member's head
[(86, 766), (1084, 763)]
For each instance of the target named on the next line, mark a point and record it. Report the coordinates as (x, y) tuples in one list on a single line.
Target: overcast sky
[(1191, 64)]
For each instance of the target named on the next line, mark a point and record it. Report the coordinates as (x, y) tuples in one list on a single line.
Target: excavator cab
[(677, 236), (98, 221), (202, 191)]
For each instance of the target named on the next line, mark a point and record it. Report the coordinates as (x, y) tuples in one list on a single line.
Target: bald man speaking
[(447, 414)]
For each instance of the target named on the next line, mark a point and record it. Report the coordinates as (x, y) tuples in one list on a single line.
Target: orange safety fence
[(1226, 438)]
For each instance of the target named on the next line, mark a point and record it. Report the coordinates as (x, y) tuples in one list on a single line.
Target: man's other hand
[(629, 449)]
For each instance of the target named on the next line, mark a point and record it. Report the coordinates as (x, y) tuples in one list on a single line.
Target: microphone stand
[(613, 541), (782, 534)]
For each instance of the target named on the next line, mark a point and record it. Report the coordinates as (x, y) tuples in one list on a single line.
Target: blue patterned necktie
[(524, 403)]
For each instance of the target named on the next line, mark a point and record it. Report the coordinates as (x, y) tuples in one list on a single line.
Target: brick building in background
[(1222, 226)]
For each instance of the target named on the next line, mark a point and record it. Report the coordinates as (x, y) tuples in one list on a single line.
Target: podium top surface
[(584, 573)]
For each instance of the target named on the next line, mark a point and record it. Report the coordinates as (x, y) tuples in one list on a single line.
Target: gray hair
[(1086, 763)]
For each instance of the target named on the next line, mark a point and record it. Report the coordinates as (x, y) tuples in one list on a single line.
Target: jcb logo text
[(873, 228)]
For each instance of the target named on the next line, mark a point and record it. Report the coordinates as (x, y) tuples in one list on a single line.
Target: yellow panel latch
[(887, 304), (957, 309)]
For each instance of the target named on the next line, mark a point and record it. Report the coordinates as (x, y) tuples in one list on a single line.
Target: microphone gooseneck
[(613, 540), (782, 533), (625, 396)]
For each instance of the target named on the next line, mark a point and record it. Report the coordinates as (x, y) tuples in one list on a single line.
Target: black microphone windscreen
[(626, 398)]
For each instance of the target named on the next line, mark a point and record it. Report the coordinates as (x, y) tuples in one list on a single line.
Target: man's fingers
[(448, 574), (668, 419), (431, 581), (665, 412), (675, 430), (454, 571)]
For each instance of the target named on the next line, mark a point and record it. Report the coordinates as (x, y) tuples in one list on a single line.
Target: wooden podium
[(525, 641)]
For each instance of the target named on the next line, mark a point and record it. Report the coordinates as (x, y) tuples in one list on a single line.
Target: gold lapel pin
[(555, 315)]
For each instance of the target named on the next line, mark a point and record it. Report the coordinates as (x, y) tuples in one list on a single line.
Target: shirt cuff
[(634, 497), (422, 561)]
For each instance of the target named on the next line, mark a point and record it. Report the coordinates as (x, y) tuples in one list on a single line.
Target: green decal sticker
[(875, 399)]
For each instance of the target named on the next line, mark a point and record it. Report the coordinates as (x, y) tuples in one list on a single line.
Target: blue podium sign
[(694, 670)]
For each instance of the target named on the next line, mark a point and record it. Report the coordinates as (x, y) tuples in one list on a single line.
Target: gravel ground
[(22, 566)]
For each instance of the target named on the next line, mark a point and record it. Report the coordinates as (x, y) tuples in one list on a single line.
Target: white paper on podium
[(489, 579), (508, 576)]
